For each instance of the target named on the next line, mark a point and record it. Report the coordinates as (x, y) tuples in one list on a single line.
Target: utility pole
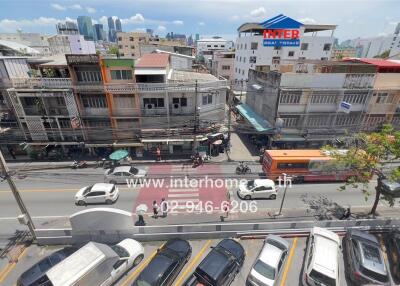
[(229, 113), (17, 196), (195, 117)]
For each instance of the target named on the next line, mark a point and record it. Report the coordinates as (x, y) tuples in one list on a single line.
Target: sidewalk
[(242, 149)]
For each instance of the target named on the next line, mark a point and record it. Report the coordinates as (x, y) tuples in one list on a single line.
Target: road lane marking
[(36, 217), (10, 266), (54, 190), (289, 262), (191, 265), (140, 267)]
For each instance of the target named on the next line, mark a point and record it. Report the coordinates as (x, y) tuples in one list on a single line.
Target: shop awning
[(259, 123)]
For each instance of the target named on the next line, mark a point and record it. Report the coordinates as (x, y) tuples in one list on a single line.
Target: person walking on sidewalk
[(158, 152), (164, 207), (155, 209)]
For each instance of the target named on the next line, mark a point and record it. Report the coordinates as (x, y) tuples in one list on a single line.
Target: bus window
[(285, 166)]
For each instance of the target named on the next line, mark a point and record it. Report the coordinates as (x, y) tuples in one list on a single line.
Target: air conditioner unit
[(150, 106), (176, 105)]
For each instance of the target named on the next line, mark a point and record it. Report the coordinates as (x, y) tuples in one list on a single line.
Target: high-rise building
[(99, 32), (150, 32), (111, 29), (395, 46), (118, 25), (85, 27), (190, 41), (67, 28), (197, 37)]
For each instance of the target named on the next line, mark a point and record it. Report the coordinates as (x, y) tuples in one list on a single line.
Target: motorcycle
[(242, 169), (78, 164)]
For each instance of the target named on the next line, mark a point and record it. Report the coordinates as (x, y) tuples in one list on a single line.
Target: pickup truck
[(220, 266)]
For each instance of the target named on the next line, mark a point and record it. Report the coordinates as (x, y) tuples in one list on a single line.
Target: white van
[(257, 189), (321, 263)]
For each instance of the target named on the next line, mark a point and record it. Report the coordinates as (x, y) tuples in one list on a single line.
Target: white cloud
[(136, 19), (7, 25), (201, 23), (259, 12), (383, 34), (76, 7), (103, 20), (307, 20), (178, 22), (58, 7), (235, 18), (161, 28), (91, 10)]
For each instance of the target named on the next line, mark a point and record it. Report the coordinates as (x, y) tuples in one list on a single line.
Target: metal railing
[(41, 82)]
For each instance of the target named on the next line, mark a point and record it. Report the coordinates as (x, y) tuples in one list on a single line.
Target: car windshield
[(371, 253), (112, 190), (276, 244), (120, 251), (133, 170), (321, 278), (264, 269), (141, 283), (85, 192), (250, 184)]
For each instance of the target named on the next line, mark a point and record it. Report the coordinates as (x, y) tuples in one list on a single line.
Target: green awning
[(259, 123), (118, 155)]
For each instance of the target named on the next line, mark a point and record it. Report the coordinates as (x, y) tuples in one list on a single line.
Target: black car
[(393, 251), (36, 275), (166, 264), (391, 188), (364, 261), (220, 266)]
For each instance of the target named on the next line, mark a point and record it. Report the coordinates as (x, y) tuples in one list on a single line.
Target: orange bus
[(303, 166)]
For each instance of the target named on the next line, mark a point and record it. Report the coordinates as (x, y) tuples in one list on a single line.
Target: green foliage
[(384, 55), (368, 155), (113, 50)]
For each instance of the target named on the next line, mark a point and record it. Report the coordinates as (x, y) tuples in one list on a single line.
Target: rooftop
[(153, 61), (56, 60), (174, 54), (308, 28), (19, 48), (376, 62), (185, 76)]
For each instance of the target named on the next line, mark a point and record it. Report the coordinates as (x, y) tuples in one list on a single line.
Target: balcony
[(51, 83), (32, 111), (358, 80)]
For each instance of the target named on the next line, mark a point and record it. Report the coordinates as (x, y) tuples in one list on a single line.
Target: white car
[(119, 175), (321, 263), (257, 189), (269, 263), (97, 194)]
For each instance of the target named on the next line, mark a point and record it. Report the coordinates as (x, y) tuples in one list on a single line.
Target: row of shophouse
[(96, 102), (320, 102)]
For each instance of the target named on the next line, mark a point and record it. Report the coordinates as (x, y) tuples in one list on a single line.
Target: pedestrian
[(158, 152), (155, 209), (164, 207), (140, 221)]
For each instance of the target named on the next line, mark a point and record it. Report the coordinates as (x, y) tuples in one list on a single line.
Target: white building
[(207, 47), (371, 47), (395, 47), (70, 44), (316, 42), (179, 61), (32, 40)]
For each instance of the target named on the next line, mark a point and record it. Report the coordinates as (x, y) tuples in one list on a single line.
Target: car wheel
[(272, 197), (247, 197), (81, 203), (109, 202), (138, 259)]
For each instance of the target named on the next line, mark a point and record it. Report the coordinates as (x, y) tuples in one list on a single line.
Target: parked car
[(268, 265), (36, 275), (166, 264), (364, 259), (391, 188), (220, 266), (393, 251), (97, 194), (321, 263), (96, 264), (119, 175), (257, 189)]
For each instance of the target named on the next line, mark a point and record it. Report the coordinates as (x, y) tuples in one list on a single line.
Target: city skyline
[(203, 17)]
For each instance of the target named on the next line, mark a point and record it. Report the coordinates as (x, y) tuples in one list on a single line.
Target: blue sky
[(364, 18)]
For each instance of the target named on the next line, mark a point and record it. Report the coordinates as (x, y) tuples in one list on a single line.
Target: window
[(245, 46), (133, 47), (132, 55), (236, 70), (322, 97), (93, 101), (318, 121), (88, 76), (291, 54), (119, 38), (177, 102), (290, 121), (276, 60), (131, 39), (346, 120), (383, 97), (304, 47), (207, 99), (254, 46), (290, 97), (226, 67), (150, 103), (253, 60), (244, 59), (60, 101), (64, 122), (222, 46), (240, 59), (284, 166), (359, 97), (215, 46), (208, 46), (327, 47), (242, 72), (121, 74), (277, 48)]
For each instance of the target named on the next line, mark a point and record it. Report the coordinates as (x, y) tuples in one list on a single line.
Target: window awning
[(259, 123)]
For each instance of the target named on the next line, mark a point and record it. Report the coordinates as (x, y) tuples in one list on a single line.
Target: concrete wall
[(320, 80)]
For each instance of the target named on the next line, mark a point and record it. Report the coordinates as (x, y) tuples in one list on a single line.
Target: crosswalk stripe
[(185, 200), (183, 190), (182, 195)]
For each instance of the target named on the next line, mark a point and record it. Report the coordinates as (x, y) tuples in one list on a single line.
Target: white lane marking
[(182, 195), (184, 200), (183, 190), (36, 217)]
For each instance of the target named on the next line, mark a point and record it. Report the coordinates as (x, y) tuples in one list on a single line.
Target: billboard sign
[(281, 31), (345, 107)]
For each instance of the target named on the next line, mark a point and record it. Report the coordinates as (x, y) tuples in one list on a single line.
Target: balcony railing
[(52, 83), (359, 80)]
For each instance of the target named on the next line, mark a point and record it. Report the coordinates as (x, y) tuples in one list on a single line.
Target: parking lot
[(290, 275)]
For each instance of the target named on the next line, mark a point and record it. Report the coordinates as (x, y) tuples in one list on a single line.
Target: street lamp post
[(284, 194)]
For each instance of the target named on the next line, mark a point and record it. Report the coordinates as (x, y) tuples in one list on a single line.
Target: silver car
[(120, 175), (269, 263)]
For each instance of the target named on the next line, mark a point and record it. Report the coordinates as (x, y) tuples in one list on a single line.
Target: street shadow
[(12, 246), (249, 145)]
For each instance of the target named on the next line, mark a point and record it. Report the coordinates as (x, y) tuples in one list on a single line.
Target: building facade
[(339, 53), (85, 27), (315, 42), (70, 44), (207, 47), (35, 41), (223, 65), (67, 28), (129, 43)]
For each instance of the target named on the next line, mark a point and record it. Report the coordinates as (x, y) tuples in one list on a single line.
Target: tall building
[(129, 43), (263, 46), (207, 47), (85, 27), (99, 32), (150, 32), (111, 29), (197, 37), (118, 25), (395, 47), (70, 44), (190, 41), (67, 28)]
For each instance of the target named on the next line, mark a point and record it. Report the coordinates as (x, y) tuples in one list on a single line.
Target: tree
[(368, 155), (113, 50), (384, 55)]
